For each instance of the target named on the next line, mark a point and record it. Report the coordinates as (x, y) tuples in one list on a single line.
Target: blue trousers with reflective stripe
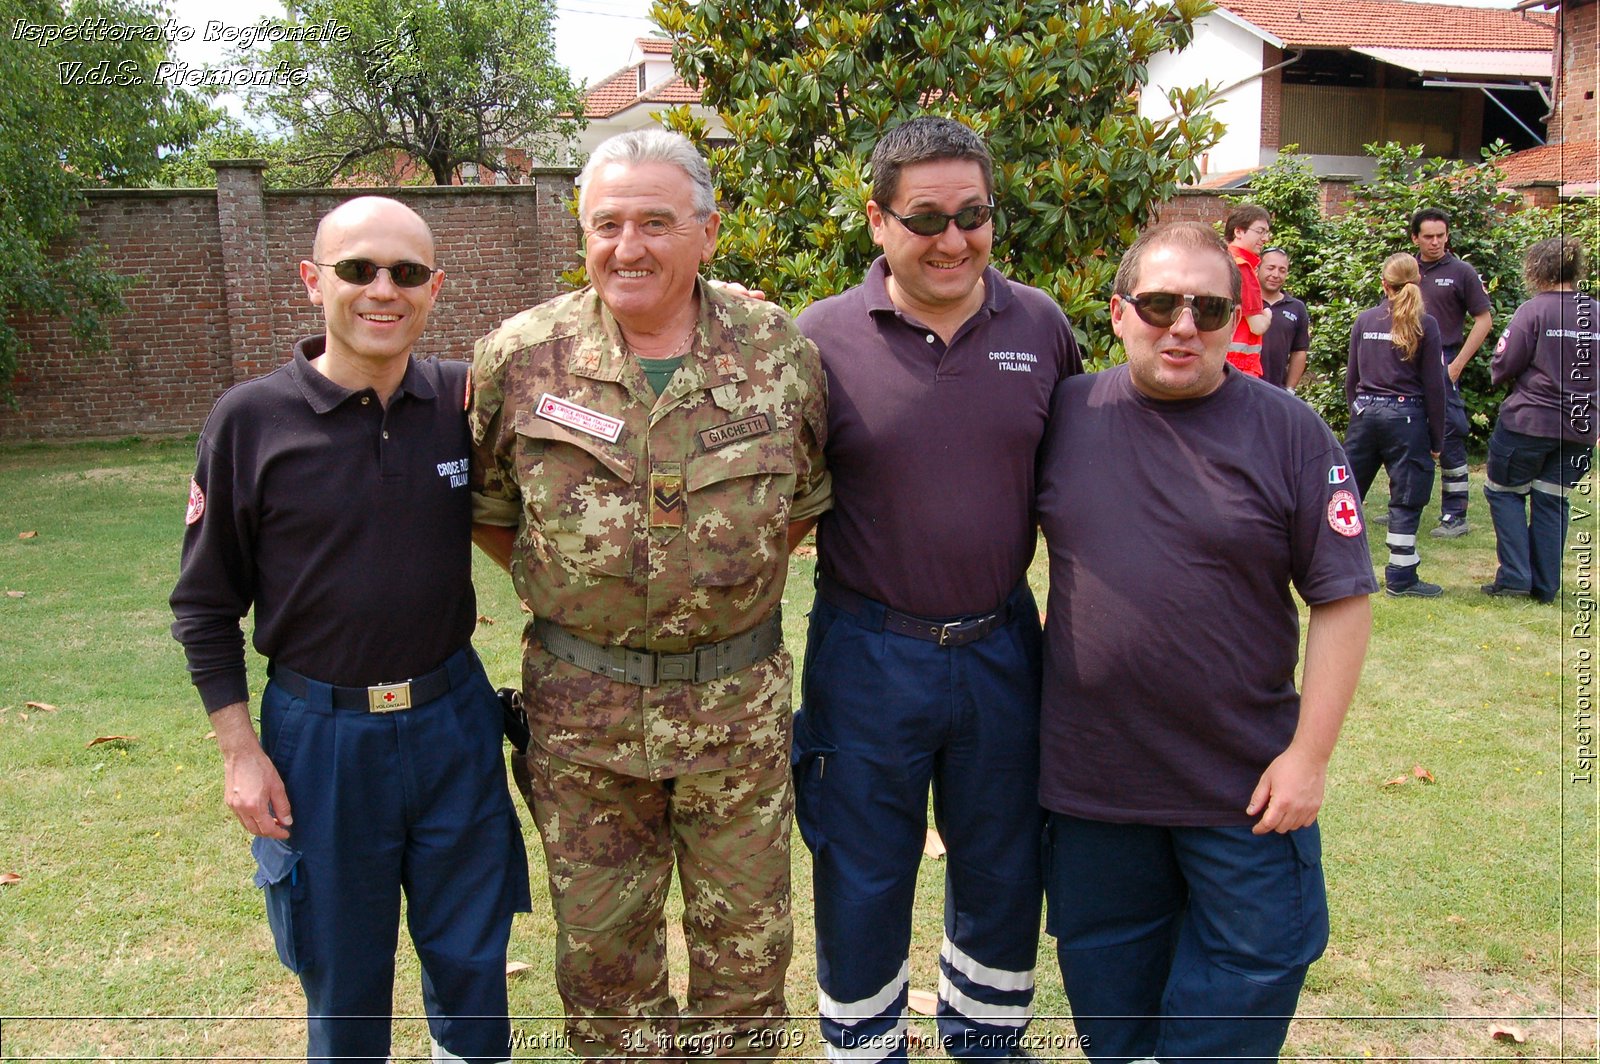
[(1394, 436), (883, 718), (1454, 489), (1183, 944), (1528, 477), (413, 801)]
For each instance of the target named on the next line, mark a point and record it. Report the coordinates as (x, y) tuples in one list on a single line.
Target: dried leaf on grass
[(15, 594), (27, 535), (933, 845), (1507, 1032), (98, 739), (1422, 774), (806, 550), (484, 618), (516, 968), (211, 735), (1397, 781), (8, 878), (922, 1002), (42, 707)]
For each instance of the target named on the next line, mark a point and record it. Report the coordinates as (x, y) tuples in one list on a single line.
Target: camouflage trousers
[(610, 842)]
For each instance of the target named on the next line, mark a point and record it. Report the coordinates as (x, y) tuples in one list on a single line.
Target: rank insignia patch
[(666, 500), (197, 503), (735, 431), (1344, 513)]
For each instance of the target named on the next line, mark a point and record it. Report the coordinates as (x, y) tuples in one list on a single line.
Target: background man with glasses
[(1248, 228), (646, 452), (1181, 771), (922, 660), (331, 495)]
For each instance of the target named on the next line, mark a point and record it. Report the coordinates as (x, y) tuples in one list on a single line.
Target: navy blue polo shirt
[(1176, 530), (1452, 292), (1290, 331), (1550, 354), (344, 524), (932, 448), (1377, 368)]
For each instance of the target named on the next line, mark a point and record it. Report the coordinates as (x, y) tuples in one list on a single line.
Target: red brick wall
[(1579, 77), (1271, 99), (219, 298)]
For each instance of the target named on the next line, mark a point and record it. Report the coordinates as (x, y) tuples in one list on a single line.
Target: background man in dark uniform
[(1287, 341), (646, 451), (1452, 292), (331, 495), (922, 658), (1180, 501)]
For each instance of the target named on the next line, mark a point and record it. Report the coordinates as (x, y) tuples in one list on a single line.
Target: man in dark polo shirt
[(1287, 341), (922, 659), (1452, 292), (331, 495), (1181, 771)]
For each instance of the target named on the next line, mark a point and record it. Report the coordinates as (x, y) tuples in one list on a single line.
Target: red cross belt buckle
[(386, 698)]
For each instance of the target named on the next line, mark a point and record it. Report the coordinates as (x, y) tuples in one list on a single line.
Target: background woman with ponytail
[(1545, 434), (1395, 385)]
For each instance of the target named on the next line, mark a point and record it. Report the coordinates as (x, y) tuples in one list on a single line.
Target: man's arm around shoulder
[(1290, 792)]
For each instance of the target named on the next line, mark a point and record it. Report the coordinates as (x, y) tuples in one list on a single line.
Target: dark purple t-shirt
[(1376, 368), (1549, 353), (1175, 530), (344, 524), (1290, 331), (932, 449), (1452, 292)]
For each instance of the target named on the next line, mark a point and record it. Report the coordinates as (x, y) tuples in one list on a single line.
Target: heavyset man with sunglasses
[(331, 495), (922, 660), (1181, 771)]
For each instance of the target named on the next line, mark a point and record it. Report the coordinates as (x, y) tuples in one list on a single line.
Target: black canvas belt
[(650, 668), (379, 698), (953, 633)]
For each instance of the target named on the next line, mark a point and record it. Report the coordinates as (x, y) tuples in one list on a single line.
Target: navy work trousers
[(1528, 481), (1392, 433), (884, 716), (414, 800), (1454, 490), (1183, 944)]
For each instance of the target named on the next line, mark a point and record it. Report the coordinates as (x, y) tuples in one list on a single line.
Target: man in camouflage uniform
[(645, 452)]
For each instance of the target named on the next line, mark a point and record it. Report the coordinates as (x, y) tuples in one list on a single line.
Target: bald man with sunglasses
[(1181, 771), (922, 660), (331, 496)]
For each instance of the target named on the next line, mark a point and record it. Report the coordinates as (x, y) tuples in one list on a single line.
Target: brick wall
[(1271, 99), (218, 297), (1575, 117)]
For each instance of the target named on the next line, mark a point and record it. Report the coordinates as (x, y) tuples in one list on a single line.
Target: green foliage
[(1053, 89), (446, 82), (1337, 260), (231, 139), (74, 113)]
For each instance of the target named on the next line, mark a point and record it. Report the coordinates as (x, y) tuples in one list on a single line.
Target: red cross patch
[(197, 503), (1344, 514)]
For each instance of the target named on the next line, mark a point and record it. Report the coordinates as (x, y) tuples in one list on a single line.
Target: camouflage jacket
[(653, 523)]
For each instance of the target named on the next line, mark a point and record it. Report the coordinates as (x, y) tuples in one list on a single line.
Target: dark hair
[(926, 138), (1190, 236), (1244, 216), (1553, 262), (1429, 214), (1276, 251)]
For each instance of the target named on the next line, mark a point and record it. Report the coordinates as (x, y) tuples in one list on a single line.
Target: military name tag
[(666, 500), (735, 431), (591, 422)]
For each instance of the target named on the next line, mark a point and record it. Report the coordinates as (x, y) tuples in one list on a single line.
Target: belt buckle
[(389, 697), (949, 629)]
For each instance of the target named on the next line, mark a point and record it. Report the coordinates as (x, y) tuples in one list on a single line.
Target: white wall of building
[(1222, 53)]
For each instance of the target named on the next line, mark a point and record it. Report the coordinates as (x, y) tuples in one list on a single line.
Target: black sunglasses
[(1161, 309), (934, 223), (365, 271)]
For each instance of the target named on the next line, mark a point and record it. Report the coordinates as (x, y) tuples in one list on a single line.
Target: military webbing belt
[(650, 668)]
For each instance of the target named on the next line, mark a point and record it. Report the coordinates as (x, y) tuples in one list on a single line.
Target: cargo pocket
[(738, 510), (278, 875), (578, 495), (808, 760)]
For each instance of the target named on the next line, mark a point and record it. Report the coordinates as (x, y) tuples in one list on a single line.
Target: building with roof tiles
[(1569, 163), (1333, 75), (630, 98)]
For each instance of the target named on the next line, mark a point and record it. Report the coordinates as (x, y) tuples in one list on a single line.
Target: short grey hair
[(653, 146)]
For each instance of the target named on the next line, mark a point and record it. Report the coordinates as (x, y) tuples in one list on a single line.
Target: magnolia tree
[(1053, 88)]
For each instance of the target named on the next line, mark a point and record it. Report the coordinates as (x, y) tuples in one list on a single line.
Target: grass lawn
[(133, 931)]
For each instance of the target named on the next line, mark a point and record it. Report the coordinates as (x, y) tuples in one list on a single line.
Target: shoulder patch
[(1344, 513), (197, 503)]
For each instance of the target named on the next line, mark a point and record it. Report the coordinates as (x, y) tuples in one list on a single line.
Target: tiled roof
[(673, 90), (613, 94), (1394, 24), (654, 45), (1573, 163)]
